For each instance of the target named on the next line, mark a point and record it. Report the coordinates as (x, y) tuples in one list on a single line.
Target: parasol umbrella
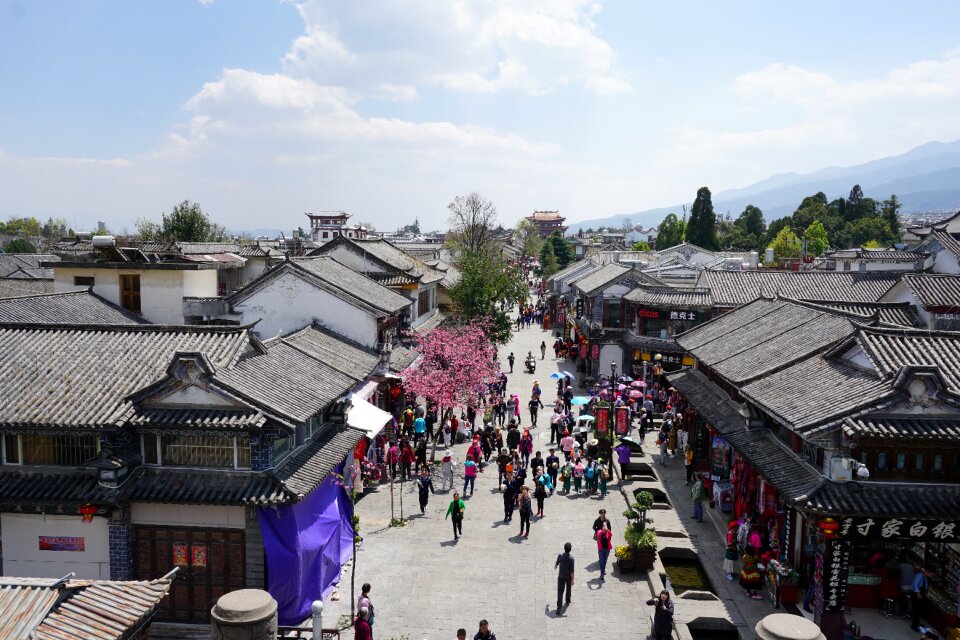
[(624, 379), (556, 375), (636, 394), (580, 400), (638, 384), (621, 387)]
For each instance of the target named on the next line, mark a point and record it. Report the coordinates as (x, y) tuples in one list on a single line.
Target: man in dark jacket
[(601, 518), (553, 468), (511, 359), (535, 405), (513, 437), (564, 565), (484, 633), (511, 487)]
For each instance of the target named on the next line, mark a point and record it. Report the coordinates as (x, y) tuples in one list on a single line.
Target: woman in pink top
[(577, 475), (393, 458), (604, 544), (566, 443), (526, 446)]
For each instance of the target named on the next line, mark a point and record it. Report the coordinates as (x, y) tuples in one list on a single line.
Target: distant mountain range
[(926, 178)]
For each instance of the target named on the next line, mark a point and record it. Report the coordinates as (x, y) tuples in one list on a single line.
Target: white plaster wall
[(252, 270), (901, 293), (946, 262), (161, 291), (288, 303), (21, 546), (200, 284), (187, 515), (611, 353)]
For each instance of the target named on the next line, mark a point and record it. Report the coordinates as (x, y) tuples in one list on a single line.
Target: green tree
[(640, 245), (702, 227), (774, 229), (873, 244), (19, 245), (185, 223), (816, 237), (751, 220), (671, 231), (854, 202), (548, 260), (529, 237), (561, 249), (30, 227), (485, 281), (786, 245), (890, 210), (859, 232), (147, 230)]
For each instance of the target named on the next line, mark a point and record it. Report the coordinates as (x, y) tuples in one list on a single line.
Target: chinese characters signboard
[(835, 571), (622, 421), (866, 528), (62, 543), (602, 422), (683, 315)]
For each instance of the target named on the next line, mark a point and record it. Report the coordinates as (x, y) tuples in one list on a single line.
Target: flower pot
[(644, 558), (626, 565)]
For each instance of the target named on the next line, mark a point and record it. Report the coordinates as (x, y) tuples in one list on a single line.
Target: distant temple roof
[(545, 216)]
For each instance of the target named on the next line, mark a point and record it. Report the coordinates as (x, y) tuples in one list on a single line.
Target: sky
[(261, 110)]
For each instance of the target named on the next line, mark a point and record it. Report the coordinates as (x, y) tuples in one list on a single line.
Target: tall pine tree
[(702, 226)]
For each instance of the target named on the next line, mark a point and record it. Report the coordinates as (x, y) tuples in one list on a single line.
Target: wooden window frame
[(84, 281), (130, 296)]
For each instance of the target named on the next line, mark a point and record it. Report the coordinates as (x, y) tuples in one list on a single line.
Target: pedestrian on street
[(918, 593), (510, 489), (604, 545), (600, 522), (364, 602), (525, 506), (662, 443), (540, 493), (578, 476), (543, 349), (565, 566), (555, 420), (461, 634), (407, 458), (393, 459), (662, 616), (553, 468), (697, 494), (425, 486), (567, 473), (603, 474), (484, 633), (511, 359), (526, 447), (469, 475), (503, 459), (361, 628), (566, 444), (456, 509), (535, 405), (688, 463), (446, 471)]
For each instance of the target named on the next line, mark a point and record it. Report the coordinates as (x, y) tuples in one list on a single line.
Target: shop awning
[(366, 417)]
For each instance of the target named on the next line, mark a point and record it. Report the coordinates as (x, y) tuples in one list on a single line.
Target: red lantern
[(829, 526), (87, 511)]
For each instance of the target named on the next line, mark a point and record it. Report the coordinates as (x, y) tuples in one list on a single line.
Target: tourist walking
[(750, 578), (364, 602), (566, 444), (540, 493), (446, 471), (604, 544), (578, 476), (425, 486), (662, 443), (511, 359), (731, 557), (600, 522), (510, 490), (698, 494), (525, 506), (662, 616), (553, 468), (526, 447), (485, 633), (456, 509), (543, 349), (361, 628), (565, 567), (535, 405), (469, 475), (688, 463)]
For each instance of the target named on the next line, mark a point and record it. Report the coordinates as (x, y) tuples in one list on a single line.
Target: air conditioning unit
[(843, 469)]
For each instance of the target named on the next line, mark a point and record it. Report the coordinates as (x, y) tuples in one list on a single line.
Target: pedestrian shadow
[(517, 539), (550, 613), (594, 584), (449, 543), (498, 524)]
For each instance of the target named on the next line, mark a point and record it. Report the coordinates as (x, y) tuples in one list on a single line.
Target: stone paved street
[(425, 585)]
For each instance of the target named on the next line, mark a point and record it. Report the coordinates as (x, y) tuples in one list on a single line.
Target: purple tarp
[(306, 545)]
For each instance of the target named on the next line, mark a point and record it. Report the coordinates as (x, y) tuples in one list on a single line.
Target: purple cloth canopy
[(306, 546)]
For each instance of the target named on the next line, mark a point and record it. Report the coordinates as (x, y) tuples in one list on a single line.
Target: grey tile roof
[(935, 291), (71, 489), (573, 268), (817, 392), (896, 427), (26, 265), (252, 251), (49, 609), (326, 273), (388, 254), (609, 273), (155, 417), (13, 287), (303, 470), (897, 313), (763, 336), (876, 255), (709, 400), (203, 248), (451, 275), (886, 500), (679, 297), (890, 349), (334, 350), (213, 487), (75, 307), (651, 344), (735, 288), (947, 241), (79, 376), (402, 357)]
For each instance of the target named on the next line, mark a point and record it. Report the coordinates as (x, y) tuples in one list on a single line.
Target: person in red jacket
[(407, 456), (361, 628)]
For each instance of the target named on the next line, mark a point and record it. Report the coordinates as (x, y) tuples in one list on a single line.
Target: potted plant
[(625, 560), (643, 542)]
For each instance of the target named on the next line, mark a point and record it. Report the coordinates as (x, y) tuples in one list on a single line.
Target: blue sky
[(261, 110)]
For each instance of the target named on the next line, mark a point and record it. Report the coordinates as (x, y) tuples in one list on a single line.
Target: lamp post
[(613, 418)]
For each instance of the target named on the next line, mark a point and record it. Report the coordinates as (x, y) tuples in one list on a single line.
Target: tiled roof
[(188, 486), (203, 248), (573, 268), (389, 279), (432, 322), (79, 376), (303, 470), (13, 287), (148, 417), (947, 241), (876, 255), (601, 277), (402, 357), (451, 275), (252, 251), (26, 265), (898, 313), (886, 500), (818, 391), (708, 400), (75, 307), (896, 427), (763, 336), (890, 349), (74, 488), (735, 288), (43, 609), (651, 344), (326, 273), (679, 297), (334, 350), (389, 254), (935, 291)]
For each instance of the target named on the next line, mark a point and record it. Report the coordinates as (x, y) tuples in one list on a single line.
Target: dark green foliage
[(20, 246), (561, 250), (548, 260), (701, 228), (485, 280), (670, 232), (748, 229), (30, 227), (186, 223), (889, 209)]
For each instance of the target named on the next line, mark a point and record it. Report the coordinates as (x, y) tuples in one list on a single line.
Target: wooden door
[(210, 563)]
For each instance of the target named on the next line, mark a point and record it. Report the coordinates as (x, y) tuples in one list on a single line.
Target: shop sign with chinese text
[(876, 528)]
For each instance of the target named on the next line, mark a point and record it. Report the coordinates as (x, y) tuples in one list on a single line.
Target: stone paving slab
[(425, 585)]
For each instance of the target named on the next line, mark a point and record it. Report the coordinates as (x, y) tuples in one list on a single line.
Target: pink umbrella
[(638, 384), (603, 392), (636, 394), (621, 387)]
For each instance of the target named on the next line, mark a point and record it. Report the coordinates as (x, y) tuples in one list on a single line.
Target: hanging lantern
[(829, 526), (87, 511)]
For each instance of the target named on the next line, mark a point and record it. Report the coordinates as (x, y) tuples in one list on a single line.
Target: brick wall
[(255, 572), (121, 545), (260, 454)]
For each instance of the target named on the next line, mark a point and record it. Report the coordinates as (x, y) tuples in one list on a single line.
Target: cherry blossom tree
[(454, 366)]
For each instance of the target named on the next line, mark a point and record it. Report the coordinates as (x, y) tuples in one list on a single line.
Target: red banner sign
[(595, 351), (62, 543), (652, 314), (621, 421), (602, 423)]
